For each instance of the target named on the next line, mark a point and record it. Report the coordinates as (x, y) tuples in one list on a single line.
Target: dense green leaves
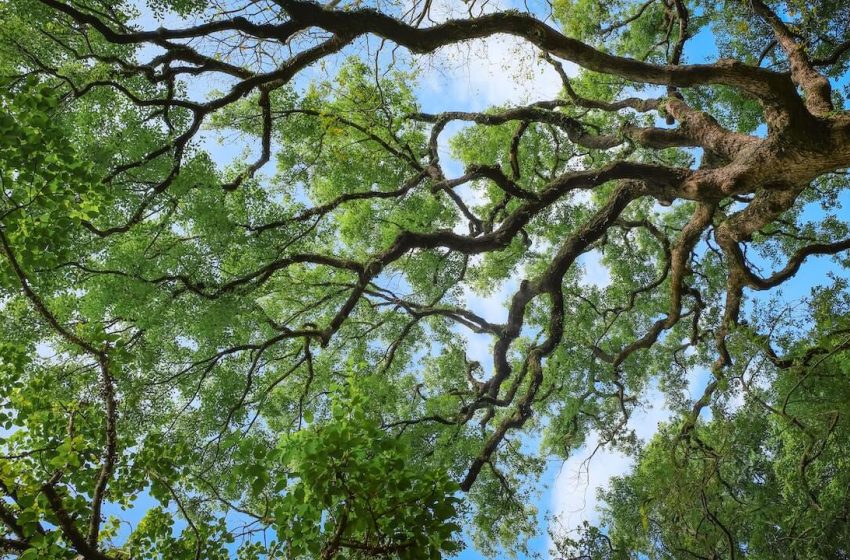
[(352, 487), (48, 187)]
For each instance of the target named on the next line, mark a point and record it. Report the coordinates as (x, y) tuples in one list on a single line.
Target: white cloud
[(494, 306), (494, 309), (595, 272), (477, 74), (574, 497), (698, 379), (499, 70), (479, 348)]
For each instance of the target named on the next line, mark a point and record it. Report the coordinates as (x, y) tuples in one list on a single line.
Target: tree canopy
[(270, 356)]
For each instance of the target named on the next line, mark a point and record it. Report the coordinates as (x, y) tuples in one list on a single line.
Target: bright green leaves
[(182, 7), (628, 28), (581, 18), (256, 467), (729, 107), (343, 137), (355, 487), (158, 531), (48, 187), (359, 119)]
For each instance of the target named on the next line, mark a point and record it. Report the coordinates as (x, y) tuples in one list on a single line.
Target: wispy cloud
[(500, 70), (475, 75), (574, 494), (595, 272)]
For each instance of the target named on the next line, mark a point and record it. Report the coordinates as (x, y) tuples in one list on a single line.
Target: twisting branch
[(817, 87)]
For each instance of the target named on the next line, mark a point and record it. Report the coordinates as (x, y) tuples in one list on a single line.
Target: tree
[(264, 358)]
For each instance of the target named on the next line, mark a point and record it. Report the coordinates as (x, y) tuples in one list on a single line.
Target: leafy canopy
[(241, 275)]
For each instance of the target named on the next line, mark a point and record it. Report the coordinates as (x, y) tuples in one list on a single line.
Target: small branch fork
[(86, 545)]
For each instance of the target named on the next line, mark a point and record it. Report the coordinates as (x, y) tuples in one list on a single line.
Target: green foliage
[(746, 483), (204, 354), (352, 486), (48, 187)]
